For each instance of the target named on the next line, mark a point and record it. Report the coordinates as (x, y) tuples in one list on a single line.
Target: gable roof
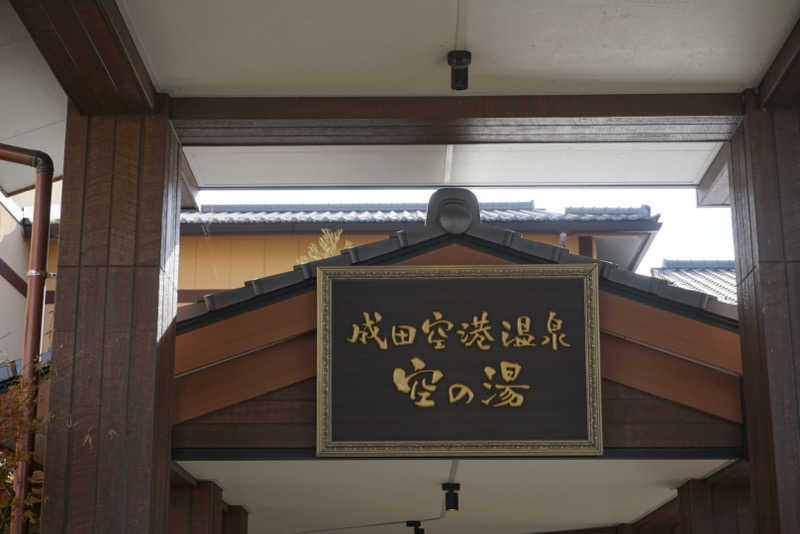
[(453, 216), (717, 278)]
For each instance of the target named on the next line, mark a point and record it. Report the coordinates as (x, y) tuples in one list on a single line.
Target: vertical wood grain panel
[(787, 133), (87, 386), (74, 183), (234, 520), (150, 212), (97, 200), (766, 209), (112, 429), (122, 243), (108, 449)]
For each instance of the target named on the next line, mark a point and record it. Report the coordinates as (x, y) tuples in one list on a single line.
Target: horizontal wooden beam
[(286, 419), (781, 82), (91, 52), (188, 183), (714, 188), (453, 120)]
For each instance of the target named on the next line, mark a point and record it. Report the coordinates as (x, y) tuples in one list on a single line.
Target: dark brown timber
[(108, 440), (781, 83), (765, 183), (714, 187), (34, 304), (484, 119), (91, 52)]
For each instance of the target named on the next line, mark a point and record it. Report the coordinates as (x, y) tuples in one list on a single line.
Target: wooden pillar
[(108, 440), (707, 508), (234, 520), (196, 509), (765, 181)]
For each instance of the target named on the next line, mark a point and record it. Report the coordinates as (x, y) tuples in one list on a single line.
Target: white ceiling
[(33, 107), (383, 47), (497, 496), (466, 165), (390, 47)]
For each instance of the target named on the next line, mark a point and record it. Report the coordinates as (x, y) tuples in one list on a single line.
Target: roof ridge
[(697, 264), (643, 210), (361, 206)]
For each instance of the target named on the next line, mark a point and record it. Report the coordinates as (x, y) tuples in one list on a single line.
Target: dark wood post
[(196, 509), (108, 440), (234, 520), (708, 508), (765, 182)]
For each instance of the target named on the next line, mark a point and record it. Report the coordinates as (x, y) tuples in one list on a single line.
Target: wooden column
[(108, 439), (765, 181), (196, 510), (707, 508), (234, 520)]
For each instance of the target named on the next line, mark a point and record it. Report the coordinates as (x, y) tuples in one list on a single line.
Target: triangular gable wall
[(663, 353)]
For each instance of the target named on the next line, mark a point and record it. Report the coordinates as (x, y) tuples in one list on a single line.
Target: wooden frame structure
[(89, 48)]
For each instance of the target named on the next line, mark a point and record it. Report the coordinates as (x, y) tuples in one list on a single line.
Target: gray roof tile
[(716, 278), (344, 213)]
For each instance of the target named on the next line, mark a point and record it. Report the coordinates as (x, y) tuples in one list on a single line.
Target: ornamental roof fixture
[(453, 216)]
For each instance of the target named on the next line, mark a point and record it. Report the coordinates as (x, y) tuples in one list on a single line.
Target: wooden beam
[(452, 120), (189, 187), (696, 510), (709, 508), (781, 83), (245, 377), (91, 52), (196, 509), (714, 188), (286, 418), (234, 520)]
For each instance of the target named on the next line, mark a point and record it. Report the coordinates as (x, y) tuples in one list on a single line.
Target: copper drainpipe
[(34, 301)]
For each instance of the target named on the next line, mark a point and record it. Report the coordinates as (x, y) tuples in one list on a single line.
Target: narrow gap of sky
[(687, 232)]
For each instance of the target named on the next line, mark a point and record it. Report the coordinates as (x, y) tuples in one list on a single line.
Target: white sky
[(687, 232)]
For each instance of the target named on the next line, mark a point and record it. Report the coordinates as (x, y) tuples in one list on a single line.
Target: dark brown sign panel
[(458, 361)]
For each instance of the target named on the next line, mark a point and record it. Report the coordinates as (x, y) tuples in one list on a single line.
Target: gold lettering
[(408, 383)]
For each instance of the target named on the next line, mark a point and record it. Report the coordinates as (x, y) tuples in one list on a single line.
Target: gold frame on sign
[(593, 446)]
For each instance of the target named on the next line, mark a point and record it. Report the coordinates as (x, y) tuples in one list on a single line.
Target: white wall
[(14, 251)]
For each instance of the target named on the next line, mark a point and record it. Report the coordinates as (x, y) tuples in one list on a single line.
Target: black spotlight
[(459, 61), (417, 526), (451, 497)]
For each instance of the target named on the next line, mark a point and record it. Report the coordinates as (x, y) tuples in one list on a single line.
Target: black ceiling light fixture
[(417, 526), (451, 497), (459, 61)]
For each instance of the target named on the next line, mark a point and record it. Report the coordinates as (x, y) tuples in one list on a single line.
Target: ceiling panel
[(316, 166), (469, 165), (386, 47), (33, 107), (498, 496)]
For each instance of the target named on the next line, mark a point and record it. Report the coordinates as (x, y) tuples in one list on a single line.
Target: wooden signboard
[(458, 361)]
